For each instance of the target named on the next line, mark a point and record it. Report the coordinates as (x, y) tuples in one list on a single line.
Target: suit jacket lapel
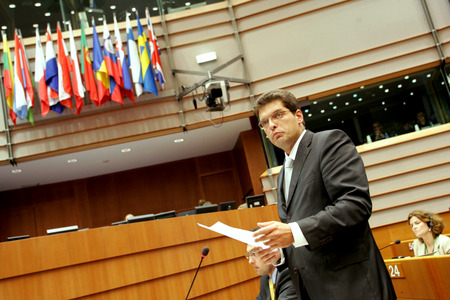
[(302, 153)]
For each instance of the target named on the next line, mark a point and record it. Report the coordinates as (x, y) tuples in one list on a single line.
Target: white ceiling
[(111, 159)]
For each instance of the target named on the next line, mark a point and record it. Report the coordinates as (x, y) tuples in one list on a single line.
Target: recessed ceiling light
[(335, 107), (178, 140), (309, 115), (155, 8), (72, 160), (125, 150), (359, 99), (315, 102), (4, 27), (12, 5), (47, 14), (112, 7), (399, 86), (329, 119), (133, 9), (338, 95), (187, 3), (16, 171), (35, 25), (383, 103), (428, 75), (381, 86), (414, 80), (72, 12), (347, 103), (37, 4), (322, 111), (386, 90), (90, 10), (406, 77), (100, 19), (355, 111), (331, 103), (355, 95), (361, 87)]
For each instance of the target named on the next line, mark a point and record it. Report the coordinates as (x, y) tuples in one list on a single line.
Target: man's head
[(253, 259), (280, 118)]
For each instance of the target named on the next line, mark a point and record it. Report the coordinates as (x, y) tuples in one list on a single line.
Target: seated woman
[(428, 228)]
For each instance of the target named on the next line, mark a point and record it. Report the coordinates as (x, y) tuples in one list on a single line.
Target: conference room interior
[(350, 91)]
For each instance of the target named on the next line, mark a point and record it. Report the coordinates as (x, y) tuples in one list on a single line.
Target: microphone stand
[(198, 268)]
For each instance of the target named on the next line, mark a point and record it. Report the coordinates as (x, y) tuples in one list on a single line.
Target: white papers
[(241, 235)]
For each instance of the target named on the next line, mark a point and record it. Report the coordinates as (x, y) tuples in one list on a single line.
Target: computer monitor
[(119, 223), (186, 213), (62, 229), (255, 201), (227, 205), (141, 218), (19, 237), (206, 208), (165, 215)]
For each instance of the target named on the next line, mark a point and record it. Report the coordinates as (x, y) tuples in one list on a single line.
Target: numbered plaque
[(395, 270)]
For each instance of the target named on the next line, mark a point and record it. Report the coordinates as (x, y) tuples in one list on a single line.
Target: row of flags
[(110, 75)]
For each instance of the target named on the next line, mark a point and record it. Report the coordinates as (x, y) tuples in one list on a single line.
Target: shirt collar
[(273, 278)]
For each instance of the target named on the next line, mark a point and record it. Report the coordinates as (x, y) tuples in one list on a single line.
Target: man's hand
[(274, 234), (268, 256)]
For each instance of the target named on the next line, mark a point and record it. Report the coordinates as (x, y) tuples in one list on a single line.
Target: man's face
[(284, 127), (260, 268)]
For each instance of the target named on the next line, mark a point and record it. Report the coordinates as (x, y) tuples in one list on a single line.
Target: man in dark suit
[(279, 281), (324, 205)]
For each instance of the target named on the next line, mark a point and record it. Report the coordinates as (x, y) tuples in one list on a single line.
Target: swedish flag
[(147, 78)]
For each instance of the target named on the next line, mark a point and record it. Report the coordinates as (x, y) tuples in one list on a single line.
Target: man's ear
[(299, 116)]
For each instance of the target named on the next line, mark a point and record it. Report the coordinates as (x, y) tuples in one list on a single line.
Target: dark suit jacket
[(283, 287), (329, 199)]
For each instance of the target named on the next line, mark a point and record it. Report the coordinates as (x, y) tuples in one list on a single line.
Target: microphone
[(205, 252), (394, 243)]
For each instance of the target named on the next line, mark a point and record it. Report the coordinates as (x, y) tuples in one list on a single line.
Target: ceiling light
[(399, 86), (187, 3), (112, 7), (155, 8), (331, 103), (381, 86), (355, 111), (385, 109), (355, 95), (412, 93), (428, 75), (347, 103), (35, 25), (12, 5), (406, 77), (383, 103), (335, 107), (125, 150), (361, 87), (133, 9), (47, 14), (306, 110), (16, 171), (359, 99), (315, 102), (386, 90), (90, 10), (37, 4), (178, 140), (72, 12), (4, 27), (329, 119), (322, 111), (72, 160), (100, 19), (338, 95), (414, 80), (309, 115)]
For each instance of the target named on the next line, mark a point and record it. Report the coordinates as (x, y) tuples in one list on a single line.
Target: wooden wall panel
[(99, 201)]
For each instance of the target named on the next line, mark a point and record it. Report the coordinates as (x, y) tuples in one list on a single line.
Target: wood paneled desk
[(421, 277), (149, 260)]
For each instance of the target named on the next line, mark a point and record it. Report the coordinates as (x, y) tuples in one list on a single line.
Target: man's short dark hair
[(287, 98)]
